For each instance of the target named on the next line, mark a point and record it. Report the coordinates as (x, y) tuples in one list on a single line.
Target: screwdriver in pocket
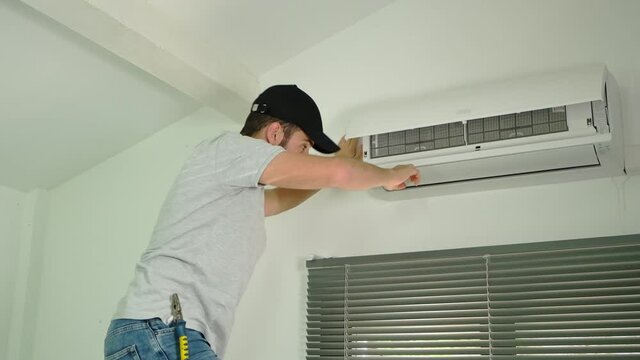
[(180, 325)]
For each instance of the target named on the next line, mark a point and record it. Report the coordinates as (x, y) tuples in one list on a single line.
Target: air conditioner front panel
[(421, 146), (537, 91), (512, 164)]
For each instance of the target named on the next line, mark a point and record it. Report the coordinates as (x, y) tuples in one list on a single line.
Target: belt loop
[(156, 324)]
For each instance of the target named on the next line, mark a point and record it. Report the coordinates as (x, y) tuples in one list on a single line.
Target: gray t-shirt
[(208, 238)]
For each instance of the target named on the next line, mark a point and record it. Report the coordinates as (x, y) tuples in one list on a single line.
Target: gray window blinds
[(572, 299)]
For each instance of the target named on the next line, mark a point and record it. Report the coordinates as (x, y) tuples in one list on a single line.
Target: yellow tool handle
[(184, 347)]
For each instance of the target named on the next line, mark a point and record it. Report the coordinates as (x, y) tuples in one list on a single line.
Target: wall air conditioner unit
[(545, 128)]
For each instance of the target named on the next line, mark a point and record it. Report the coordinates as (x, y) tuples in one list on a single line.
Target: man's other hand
[(350, 149)]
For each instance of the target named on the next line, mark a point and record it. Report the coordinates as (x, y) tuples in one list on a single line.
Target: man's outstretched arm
[(281, 199), (299, 176)]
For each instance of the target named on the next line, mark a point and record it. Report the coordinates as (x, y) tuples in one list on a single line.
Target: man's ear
[(274, 133)]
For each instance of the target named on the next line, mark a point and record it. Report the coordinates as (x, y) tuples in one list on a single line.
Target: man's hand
[(350, 149), (402, 174)]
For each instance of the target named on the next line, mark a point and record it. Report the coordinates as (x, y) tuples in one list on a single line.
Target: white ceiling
[(258, 34), (66, 104), (69, 99)]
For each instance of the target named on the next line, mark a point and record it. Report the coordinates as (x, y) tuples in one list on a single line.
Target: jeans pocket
[(200, 350), (199, 347), (128, 353)]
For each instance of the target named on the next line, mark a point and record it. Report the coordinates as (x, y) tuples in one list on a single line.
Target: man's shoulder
[(237, 142), (233, 138), (225, 139), (237, 147)]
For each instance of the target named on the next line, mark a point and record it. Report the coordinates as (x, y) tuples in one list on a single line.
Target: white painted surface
[(11, 203), (66, 104), (633, 160), (95, 25), (254, 33), (27, 274)]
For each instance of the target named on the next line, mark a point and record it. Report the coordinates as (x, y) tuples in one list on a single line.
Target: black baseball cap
[(289, 103)]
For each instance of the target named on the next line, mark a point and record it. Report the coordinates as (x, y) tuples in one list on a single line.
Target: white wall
[(100, 221), (99, 224), (81, 97), (11, 202), (416, 47), (27, 274), (271, 315)]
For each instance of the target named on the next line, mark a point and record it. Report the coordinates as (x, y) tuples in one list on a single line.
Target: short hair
[(257, 121)]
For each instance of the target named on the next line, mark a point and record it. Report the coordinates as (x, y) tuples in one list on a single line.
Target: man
[(210, 231)]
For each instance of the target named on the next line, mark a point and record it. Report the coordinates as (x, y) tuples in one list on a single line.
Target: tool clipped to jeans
[(178, 322)]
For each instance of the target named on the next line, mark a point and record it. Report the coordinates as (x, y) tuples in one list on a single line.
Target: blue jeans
[(151, 339)]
